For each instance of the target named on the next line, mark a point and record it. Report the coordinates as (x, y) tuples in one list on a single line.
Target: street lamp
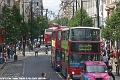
[(81, 9), (97, 6)]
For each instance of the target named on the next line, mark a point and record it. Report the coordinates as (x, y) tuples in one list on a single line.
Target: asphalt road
[(31, 68)]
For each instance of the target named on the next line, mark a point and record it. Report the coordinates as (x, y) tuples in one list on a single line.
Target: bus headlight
[(73, 72), (58, 65)]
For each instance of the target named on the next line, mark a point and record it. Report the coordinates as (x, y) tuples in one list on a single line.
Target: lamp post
[(81, 10), (24, 34), (97, 6)]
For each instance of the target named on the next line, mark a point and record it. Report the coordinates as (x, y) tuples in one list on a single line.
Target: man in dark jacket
[(110, 68)]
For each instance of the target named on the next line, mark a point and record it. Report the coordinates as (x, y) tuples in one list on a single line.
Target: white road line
[(23, 68), (59, 75)]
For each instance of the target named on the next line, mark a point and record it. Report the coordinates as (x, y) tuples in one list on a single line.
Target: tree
[(37, 25), (5, 21), (76, 19), (11, 21), (61, 21), (112, 26)]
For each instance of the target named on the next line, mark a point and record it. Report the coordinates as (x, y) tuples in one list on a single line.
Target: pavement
[(19, 58)]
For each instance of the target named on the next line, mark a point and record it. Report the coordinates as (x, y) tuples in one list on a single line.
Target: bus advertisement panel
[(56, 48), (79, 44)]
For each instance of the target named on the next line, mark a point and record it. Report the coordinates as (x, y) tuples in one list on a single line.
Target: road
[(31, 68)]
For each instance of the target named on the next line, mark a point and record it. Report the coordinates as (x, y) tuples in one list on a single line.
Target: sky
[(52, 5)]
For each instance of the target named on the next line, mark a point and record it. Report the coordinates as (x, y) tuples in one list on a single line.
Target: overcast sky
[(52, 5)]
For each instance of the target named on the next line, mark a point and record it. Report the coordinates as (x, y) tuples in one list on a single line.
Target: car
[(94, 70)]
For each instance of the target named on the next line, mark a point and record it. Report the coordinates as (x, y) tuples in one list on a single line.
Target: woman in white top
[(105, 59)]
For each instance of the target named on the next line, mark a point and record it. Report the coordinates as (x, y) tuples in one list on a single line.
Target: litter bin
[(1, 60), (15, 57)]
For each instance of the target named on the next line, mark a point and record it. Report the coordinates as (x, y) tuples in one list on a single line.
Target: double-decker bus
[(79, 44), (48, 34), (56, 48)]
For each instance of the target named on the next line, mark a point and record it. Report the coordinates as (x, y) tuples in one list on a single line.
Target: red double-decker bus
[(79, 44), (48, 33), (56, 48)]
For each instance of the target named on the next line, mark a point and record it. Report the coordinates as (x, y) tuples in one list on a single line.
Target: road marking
[(23, 68), (59, 75)]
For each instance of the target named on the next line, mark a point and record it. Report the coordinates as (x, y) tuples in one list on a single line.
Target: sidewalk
[(19, 58)]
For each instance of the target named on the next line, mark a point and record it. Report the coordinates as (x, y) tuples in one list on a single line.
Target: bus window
[(95, 34), (53, 35), (76, 60), (85, 34), (57, 55), (63, 57), (77, 34), (59, 35)]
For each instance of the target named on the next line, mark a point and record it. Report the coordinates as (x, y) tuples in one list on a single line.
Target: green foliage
[(76, 19), (60, 21), (11, 21), (112, 26), (37, 25)]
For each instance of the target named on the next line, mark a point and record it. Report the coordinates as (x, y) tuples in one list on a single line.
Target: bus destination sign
[(85, 47)]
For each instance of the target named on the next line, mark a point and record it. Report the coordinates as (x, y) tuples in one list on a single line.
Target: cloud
[(52, 5)]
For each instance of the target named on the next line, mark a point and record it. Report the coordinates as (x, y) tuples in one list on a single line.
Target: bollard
[(15, 57)]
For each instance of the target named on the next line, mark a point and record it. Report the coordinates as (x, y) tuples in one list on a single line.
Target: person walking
[(69, 77), (105, 59), (110, 68), (8, 53), (11, 52), (47, 47), (36, 51), (43, 75)]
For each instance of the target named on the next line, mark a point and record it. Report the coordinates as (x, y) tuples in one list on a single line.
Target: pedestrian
[(8, 52), (105, 59), (110, 68), (69, 77), (11, 52), (47, 47), (43, 75), (36, 51)]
